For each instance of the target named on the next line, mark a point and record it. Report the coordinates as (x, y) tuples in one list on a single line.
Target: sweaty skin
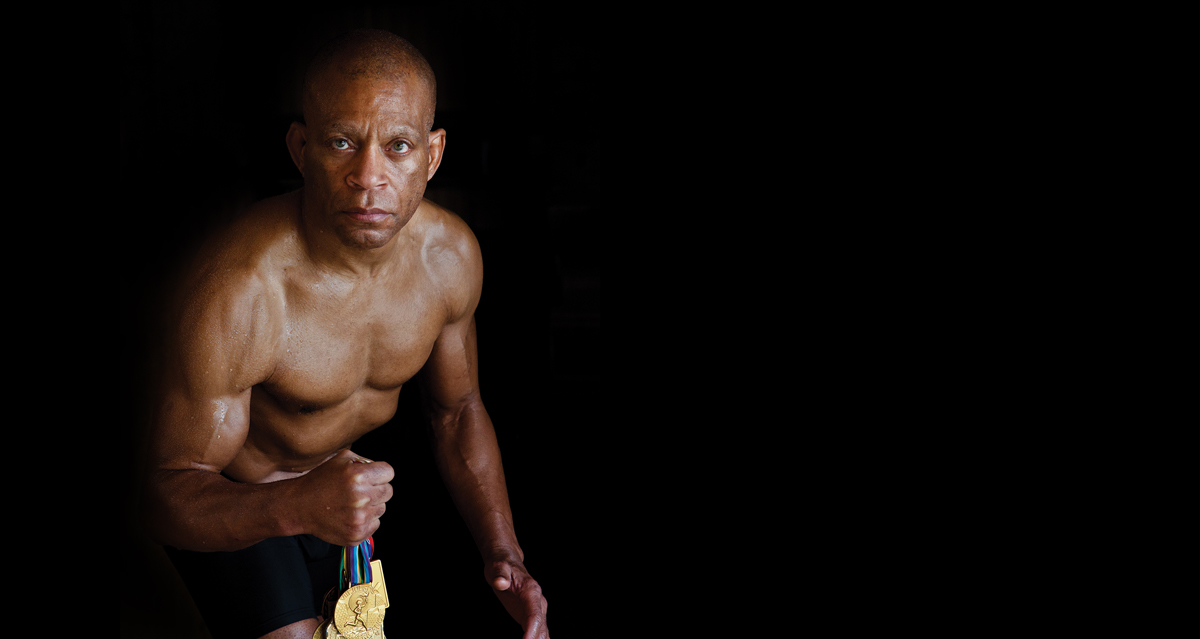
[(296, 331)]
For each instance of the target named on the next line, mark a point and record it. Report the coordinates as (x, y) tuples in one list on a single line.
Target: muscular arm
[(223, 347), (468, 457), (469, 460), (191, 506), (464, 442), (214, 357)]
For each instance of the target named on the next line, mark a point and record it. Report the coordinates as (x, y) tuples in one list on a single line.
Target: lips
[(368, 215)]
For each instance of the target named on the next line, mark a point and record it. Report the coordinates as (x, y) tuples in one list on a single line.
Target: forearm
[(203, 511), (468, 458)]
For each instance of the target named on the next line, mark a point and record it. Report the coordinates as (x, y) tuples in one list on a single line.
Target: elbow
[(156, 516), (464, 414), (150, 517), (153, 514)]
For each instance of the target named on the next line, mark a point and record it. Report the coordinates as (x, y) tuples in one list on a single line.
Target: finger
[(535, 601), (375, 473), (535, 623), (362, 494), (499, 575), (363, 533), (378, 493), (370, 504)]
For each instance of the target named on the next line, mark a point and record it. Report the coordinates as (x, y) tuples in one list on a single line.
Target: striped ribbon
[(356, 563)]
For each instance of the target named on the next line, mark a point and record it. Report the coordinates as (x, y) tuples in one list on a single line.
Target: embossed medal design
[(359, 611)]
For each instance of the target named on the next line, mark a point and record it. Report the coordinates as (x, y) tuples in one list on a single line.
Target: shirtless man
[(295, 334)]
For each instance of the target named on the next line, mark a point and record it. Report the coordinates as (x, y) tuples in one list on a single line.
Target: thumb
[(354, 457), (499, 575)]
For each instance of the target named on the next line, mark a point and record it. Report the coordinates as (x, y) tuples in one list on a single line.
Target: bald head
[(368, 54)]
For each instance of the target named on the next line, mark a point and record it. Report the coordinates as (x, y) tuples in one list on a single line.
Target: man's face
[(366, 157)]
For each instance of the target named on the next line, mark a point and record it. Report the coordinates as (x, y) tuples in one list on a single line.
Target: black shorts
[(248, 593)]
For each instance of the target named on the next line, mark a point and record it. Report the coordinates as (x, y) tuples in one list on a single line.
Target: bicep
[(199, 431), (203, 413), (451, 376)]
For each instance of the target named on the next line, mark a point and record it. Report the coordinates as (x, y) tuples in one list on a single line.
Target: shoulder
[(451, 256), (230, 299), (446, 236), (244, 258)]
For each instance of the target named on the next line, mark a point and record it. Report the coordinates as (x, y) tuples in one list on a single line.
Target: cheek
[(409, 175), (319, 171), (407, 168)]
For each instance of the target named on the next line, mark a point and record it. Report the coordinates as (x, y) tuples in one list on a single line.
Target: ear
[(296, 138), (437, 146)]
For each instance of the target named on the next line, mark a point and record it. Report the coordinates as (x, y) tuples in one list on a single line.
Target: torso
[(342, 350)]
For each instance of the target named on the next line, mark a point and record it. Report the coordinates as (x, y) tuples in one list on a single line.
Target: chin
[(367, 238)]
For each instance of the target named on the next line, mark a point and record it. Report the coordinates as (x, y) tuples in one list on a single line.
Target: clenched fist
[(343, 498)]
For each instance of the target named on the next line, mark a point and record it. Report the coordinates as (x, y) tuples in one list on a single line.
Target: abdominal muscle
[(283, 444)]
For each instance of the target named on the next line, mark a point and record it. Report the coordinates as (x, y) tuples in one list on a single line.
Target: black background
[(208, 92)]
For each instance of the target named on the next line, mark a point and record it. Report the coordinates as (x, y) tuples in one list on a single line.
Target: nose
[(368, 170)]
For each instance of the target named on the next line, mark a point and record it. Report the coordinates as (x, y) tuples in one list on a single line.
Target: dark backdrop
[(208, 92)]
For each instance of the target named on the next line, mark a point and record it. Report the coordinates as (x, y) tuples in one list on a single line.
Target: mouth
[(369, 216)]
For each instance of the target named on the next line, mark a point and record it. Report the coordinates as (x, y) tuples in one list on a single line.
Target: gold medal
[(378, 583), (328, 603), (359, 612), (326, 631)]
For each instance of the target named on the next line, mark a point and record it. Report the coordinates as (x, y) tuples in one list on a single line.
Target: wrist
[(284, 512), (503, 553)]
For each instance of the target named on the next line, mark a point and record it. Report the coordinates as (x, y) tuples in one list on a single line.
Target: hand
[(521, 596), (343, 498)]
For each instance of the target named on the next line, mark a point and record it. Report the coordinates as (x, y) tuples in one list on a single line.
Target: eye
[(341, 144), (400, 146)]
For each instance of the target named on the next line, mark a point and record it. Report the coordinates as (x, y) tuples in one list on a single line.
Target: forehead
[(341, 101)]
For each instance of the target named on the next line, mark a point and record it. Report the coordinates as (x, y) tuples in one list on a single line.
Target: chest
[(335, 344)]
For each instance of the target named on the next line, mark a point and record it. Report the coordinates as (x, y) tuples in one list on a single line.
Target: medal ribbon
[(356, 563)]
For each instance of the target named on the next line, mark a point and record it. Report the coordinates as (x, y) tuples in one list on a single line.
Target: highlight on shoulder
[(451, 256), (446, 239), (230, 258), (250, 233)]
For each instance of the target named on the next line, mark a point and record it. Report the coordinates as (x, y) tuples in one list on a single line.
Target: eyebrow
[(399, 130)]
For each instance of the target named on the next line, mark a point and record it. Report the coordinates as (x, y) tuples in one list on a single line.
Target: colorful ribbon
[(356, 563)]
